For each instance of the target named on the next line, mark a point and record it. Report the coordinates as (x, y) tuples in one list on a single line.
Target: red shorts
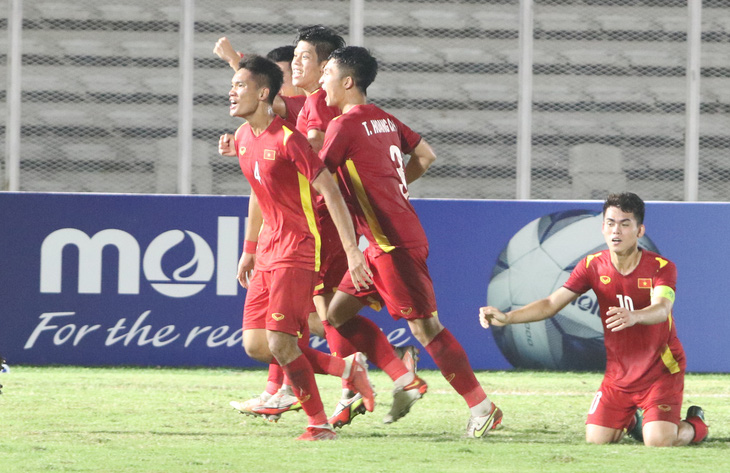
[(279, 300), (614, 408), (333, 264), (401, 282)]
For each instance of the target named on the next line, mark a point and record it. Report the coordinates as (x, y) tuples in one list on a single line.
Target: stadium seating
[(603, 72)]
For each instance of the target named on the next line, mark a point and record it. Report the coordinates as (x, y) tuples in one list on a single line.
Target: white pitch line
[(568, 394)]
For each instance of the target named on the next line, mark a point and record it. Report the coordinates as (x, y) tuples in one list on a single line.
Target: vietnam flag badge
[(644, 283)]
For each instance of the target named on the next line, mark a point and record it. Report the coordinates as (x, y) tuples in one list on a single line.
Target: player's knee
[(258, 349), (602, 436), (598, 440), (425, 330), (336, 317), (258, 352), (659, 440)]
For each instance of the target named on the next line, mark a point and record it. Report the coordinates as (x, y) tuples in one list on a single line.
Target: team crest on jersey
[(406, 311), (605, 279), (278, 317), (664, 407), (269, 154), (241, 150), (644, 283)]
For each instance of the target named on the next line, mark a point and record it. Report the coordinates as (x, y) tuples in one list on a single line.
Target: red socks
[(366, 337), (276, 378), (700, 429), (301, 375), (450, 357), (339, 345), (322, 363)]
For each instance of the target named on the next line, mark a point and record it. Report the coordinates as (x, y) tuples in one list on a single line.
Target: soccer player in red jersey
[(287, 104), (313, 46), (280, 258), (645, 361), (365, 146)]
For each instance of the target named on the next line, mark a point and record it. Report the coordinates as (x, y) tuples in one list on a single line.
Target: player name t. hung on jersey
[(366, 146), (638, 355), (280, 166)]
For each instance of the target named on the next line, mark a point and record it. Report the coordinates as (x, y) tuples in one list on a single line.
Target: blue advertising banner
[(92, 279)]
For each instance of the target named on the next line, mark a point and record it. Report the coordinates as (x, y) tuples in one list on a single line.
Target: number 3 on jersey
[(397, 158)]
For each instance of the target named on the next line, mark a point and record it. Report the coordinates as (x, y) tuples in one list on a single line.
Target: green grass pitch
[(74, 419)]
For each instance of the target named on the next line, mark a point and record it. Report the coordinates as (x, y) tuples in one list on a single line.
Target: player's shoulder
[(315, 97), (289, 137), (656, 260), (597, 258)]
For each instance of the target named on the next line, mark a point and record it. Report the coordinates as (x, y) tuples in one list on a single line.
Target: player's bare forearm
[(279, 107), (316, 139), (255, 220), (543, 308), (421, 159), (224, 50)]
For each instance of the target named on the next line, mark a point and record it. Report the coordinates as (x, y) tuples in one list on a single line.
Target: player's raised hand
[(224, 50), (226, 145), (360, 273), (492, 316)]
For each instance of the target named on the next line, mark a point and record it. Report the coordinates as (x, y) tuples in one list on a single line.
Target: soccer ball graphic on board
[(537, 260)]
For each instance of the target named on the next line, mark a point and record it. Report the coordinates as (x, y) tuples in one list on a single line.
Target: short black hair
[(628, 202), (357, 63), (325, 40), (265, 72), (281, 54)]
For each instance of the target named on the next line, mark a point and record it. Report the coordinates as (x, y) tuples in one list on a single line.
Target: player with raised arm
[(288, 103), (365, 146), (645, 361), (280, 259)]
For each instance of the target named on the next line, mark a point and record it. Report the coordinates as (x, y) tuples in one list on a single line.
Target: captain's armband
[(664, 291)]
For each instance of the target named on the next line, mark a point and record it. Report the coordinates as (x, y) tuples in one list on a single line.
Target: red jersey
[(293, 106), (639, 355), (280, 166), (315, 114), (366, 146)]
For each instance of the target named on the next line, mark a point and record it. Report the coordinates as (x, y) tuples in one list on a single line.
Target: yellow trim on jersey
[(287, 134), (306, 198), (380, 238), (662, 262), (663, 291), (669, 361), (589, 258), (670, 319)]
